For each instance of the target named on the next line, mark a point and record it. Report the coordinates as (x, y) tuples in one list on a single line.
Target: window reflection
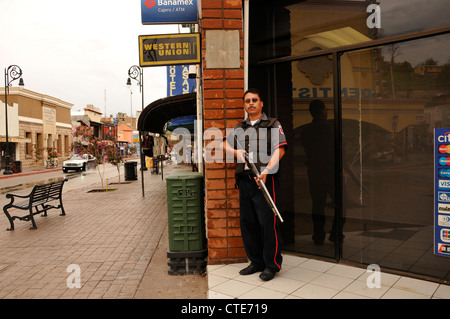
[(392, 98), (389, 139), (314, 160), (330, 24)]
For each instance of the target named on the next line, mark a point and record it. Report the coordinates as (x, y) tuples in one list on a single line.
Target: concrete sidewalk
[(118, 239)]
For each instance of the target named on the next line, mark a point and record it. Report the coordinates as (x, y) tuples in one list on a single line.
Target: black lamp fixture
[(137, 73), (12, 73)]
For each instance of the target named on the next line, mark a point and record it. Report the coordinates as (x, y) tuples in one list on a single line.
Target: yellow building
[(34, 120)]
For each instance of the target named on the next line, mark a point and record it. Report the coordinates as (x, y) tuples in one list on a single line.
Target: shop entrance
[(383, 103)]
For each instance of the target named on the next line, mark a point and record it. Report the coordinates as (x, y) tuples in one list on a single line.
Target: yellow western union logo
[(169, 48)]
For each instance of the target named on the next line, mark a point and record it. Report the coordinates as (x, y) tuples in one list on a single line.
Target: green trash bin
[(185, 212)]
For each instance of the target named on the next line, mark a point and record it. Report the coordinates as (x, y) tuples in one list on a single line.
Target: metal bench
[(38, 199)]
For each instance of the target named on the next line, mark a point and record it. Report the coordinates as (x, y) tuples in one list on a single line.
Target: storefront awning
[(157, 114)]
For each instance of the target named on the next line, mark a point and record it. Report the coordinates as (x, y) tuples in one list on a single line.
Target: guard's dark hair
[(254, 91)]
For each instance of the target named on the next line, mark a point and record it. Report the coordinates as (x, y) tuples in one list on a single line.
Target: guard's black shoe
[(267, 274), (250, 269)]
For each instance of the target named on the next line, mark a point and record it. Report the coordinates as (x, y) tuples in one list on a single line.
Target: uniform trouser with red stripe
[(259, 225)]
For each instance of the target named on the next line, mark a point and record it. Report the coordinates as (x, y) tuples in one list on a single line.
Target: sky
[(80, 51)]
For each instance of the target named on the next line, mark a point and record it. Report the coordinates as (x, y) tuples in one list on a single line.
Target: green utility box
[(185, 212)]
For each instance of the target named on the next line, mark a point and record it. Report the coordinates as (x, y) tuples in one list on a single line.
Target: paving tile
[(332, 281), (442, 292), (346, 271), (360, 287), (283, 284), (263, 293), (416, 286), (395, 293), (311, 291), (300, 274), (233, 288)]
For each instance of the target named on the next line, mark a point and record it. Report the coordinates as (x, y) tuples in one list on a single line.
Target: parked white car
[(78, 162)]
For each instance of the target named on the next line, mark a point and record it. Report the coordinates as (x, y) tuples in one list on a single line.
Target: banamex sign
[(169, 11)]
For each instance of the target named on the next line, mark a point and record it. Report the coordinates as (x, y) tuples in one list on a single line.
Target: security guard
[(265, 143)]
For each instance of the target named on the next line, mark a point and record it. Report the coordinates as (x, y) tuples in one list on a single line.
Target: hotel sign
[(169, 49), (169, 11), (178, 81)]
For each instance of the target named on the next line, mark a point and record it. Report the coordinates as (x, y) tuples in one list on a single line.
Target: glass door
[(314, 156)]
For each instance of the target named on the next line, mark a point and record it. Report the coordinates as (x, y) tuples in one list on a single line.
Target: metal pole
[(16, 73), (141, 154), (136, 73), (7, 156)]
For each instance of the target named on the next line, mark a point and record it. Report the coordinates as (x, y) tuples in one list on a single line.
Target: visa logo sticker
[(444, 197), (444, 184)]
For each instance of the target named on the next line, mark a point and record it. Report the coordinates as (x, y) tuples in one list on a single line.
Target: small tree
[(86, 143), (38, 153), (115, 158)]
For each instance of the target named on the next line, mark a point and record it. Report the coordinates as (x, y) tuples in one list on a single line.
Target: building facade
[(383, 71), (34, 120)]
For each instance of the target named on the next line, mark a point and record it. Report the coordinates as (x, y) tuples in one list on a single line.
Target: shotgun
[(261, 184)]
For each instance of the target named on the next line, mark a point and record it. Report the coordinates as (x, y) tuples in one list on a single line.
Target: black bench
[(38, 199)]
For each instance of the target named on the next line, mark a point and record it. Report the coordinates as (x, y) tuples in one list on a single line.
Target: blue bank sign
[(169, 11)]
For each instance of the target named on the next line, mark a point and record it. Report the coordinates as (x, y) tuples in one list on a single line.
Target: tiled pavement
[(304, 278), (111, 236)]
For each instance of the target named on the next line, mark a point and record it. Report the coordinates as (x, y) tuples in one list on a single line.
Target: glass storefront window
[(318, 25), (392, 96), (388, 152), (314, 160)]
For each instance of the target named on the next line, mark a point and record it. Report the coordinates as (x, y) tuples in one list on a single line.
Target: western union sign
[(169, 49)]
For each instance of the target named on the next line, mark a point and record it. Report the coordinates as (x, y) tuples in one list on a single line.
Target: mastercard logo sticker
[(444, 149)]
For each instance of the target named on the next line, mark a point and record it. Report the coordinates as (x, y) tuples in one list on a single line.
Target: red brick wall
[(222, 98)]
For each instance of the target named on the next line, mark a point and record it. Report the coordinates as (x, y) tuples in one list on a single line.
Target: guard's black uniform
[(259, 225)]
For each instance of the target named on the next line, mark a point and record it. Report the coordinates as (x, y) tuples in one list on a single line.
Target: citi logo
[(444, 138)]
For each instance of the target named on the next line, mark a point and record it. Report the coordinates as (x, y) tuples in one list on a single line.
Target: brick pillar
[(223, 87)]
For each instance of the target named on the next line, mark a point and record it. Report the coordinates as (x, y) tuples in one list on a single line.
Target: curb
[(31, 173)]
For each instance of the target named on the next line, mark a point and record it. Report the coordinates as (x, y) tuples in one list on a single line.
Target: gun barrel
[(263, 188), (270, 201)]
